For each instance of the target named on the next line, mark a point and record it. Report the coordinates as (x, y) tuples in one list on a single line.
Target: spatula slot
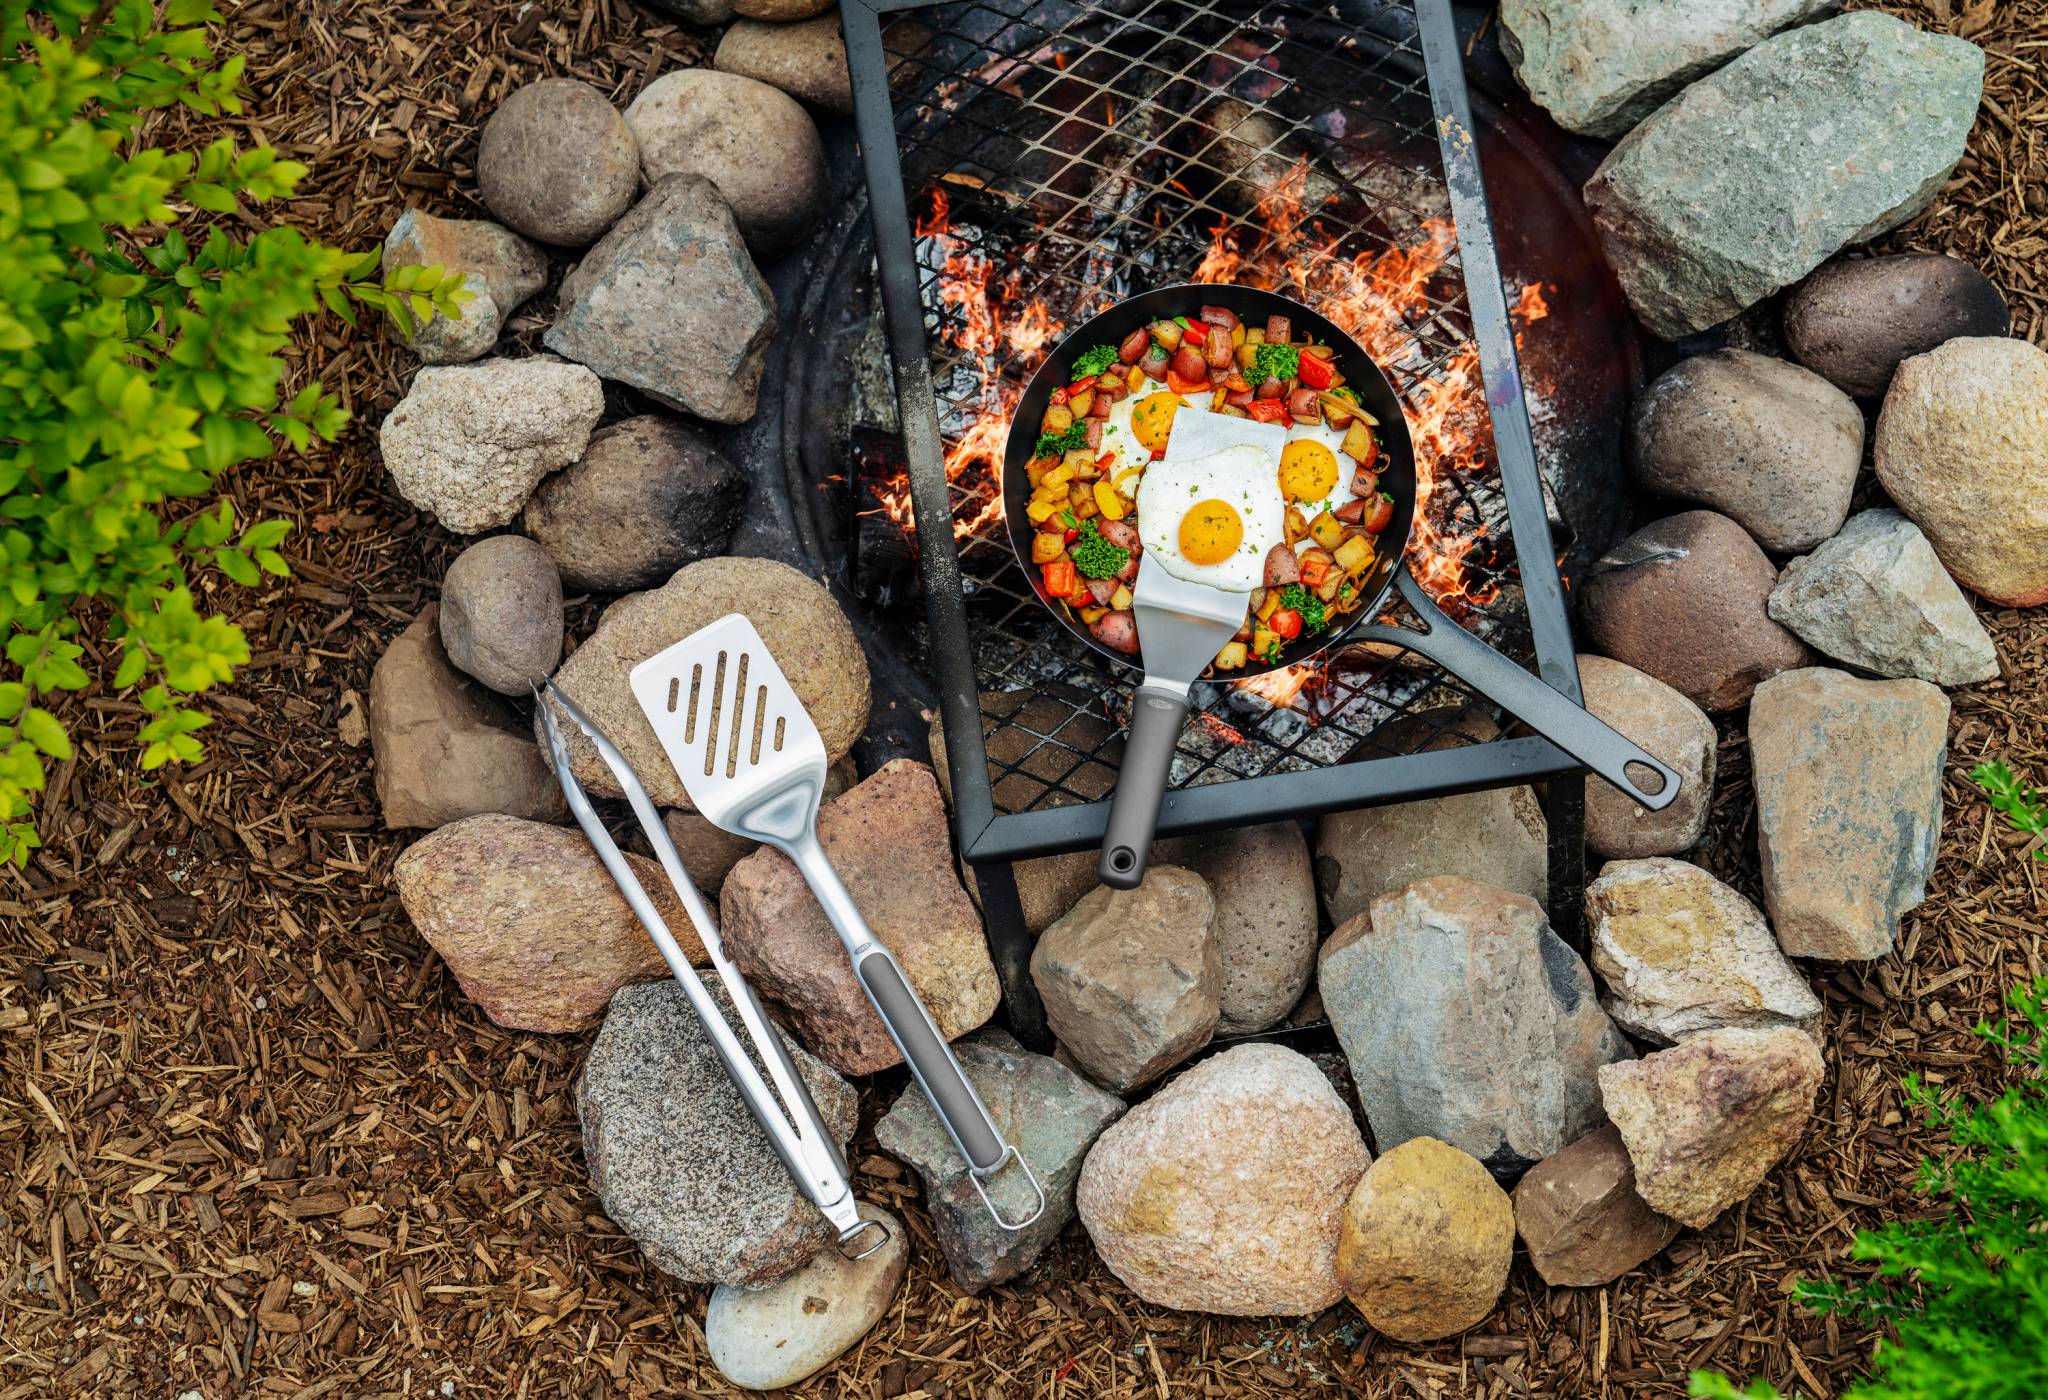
[(780, 724), (711, 720), (760, 723), (675, 685), (739, 717)]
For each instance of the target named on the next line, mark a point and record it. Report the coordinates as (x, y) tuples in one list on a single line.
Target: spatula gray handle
[(1157, 717)]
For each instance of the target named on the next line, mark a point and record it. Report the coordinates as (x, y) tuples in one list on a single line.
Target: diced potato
[(1092, 615), (1354, 555), (1058, 477), (1080, 494), (1167, 333), (1079, 404), (1246, 354), (1254, 335), (1327, 589), (1120, 599), (1263, 641), (1359, 444), (1106, 499), (1079, 462), (1047, 545), (1238, 335), (1040, 510), (1058, 418), (1035, 470), (1271, 605), (1327, 529), (1232, 657), (1296, 524)]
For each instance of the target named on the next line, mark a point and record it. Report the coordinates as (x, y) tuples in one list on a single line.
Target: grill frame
[(989, 836)]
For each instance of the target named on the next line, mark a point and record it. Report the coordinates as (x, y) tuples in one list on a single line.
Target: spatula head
[(747, 751)]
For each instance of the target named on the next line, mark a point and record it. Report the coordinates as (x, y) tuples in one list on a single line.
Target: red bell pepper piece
[(1060, 578), (1269, 410), (1179, 384), (1316, 373), (1314, 569), (1059, 396)]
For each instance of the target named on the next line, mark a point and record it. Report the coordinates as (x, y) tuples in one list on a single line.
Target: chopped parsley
[(1314, 616), (1345, 391), (1272, 652), (1096, 557), (1093, 362), (1060, 444), (1275, 362)]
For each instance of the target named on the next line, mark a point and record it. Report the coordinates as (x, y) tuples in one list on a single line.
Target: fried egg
[(1137, 424), (1314, 473), (1211, 519)]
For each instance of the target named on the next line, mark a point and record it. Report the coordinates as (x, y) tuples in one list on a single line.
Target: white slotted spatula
[(754, 764)]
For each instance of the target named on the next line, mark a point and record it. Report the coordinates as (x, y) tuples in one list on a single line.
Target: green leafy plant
[(2023, 810), (138, 365), (1965, 1294)]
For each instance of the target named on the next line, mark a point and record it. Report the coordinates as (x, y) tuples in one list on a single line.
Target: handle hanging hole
[(1647, 779)]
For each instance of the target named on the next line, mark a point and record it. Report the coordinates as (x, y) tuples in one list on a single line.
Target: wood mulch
[(259, 1144)]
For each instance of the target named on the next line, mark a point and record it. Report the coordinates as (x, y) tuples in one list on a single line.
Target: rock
[(650, 495), (1704, 1121), (1130, 978), (802, 626), (1427, 1241), (1666, 724), (1959, 449), (529, 921), (1681, 953), (1848, 797), (1766, 442), (1224, 1192), (499, 266), (1466, 1018), (699, 12), (751, 140), (1500, 836), (501, 613), (557, 162), (1683, 599), (1580, 1218), (469, 442), (678, 1161), (889, 840), (1757, 174), (805, 59), (670, 303), (445, 747), (1265, 923), (1047, 886), (1600, 66), (708, 853), (781, 11), (1856, 319), (768, 1338), (1877, 597), (1053, 1117)]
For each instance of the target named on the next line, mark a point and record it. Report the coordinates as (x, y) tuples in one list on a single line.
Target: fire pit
[(1027, 165)]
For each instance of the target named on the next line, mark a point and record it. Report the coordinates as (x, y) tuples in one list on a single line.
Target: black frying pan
[(1155, 729)]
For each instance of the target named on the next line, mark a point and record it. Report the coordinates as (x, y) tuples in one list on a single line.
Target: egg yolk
[(1152, 419), (1210, 532), (1308, 470)]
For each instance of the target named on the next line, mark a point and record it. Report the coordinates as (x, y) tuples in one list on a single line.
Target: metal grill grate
[(1054, 158)]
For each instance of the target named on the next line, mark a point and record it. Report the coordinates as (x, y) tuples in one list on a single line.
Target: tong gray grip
[(931, 1060)]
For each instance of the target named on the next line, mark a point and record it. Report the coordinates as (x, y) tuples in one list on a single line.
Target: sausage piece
[(1282, 567), (1118, 631)]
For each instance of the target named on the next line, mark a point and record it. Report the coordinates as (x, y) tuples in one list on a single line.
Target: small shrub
[(137, 366)]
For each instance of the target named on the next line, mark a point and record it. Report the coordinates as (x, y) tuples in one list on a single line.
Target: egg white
[(1118, 438), (1243, 477), (1332, 438)]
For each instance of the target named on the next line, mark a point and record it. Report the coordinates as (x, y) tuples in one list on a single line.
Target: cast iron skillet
[(1148, 752)]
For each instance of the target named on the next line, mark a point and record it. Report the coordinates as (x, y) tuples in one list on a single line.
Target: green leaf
[(40, 728)]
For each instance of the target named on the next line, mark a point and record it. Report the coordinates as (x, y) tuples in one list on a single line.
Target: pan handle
[(1157, 715), (1597, 745)]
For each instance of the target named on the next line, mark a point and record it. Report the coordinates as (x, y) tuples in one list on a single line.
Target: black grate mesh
[(1059, 158)]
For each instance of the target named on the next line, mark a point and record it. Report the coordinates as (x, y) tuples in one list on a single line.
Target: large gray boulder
[(1467, 1019), (1877, 597), (1600, 66), (1848, 806), (1958, 446), (1052, 1116), (557, 162), (1768, 443), (678, 1161), (650, 495), (755, 142), (499, 267), (468, 443), (670, 302), (1857, 319), (1757, 174)]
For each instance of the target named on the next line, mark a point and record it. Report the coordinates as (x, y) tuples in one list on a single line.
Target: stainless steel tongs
[(787, 1114)]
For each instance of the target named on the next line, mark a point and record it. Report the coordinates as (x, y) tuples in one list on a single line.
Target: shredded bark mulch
[(259, 1144)]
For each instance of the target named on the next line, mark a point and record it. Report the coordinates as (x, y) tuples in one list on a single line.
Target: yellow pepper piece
[(1058, 476), (1135, 380), (1107, 501), (1125, 477), (1040, 510)]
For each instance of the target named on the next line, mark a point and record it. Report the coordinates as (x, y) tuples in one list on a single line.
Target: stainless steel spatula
[(754, 764)]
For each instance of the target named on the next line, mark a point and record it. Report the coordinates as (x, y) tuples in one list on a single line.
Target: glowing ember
[(1218, 729)]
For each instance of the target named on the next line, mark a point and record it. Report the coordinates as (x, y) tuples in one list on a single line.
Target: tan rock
[(1706, 1120), (1428, 1237), (753, 141), (1959, 448), (529, 921), (446, 748), (805, 58), (887, 837), (1265, 921), (804, 629), (1224, 1192), (1499, 836), (1848, 797), (781, 11), (498, 267), (1129, 978), (1680, 953), (1672, 728), (1580, 1217)]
